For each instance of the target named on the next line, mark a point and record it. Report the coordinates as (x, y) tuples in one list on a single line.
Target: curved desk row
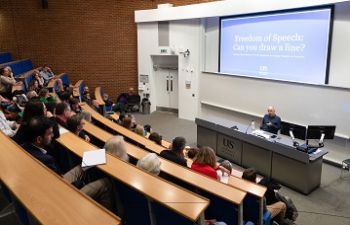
[(187, 204), (49, 198), (176, 171)]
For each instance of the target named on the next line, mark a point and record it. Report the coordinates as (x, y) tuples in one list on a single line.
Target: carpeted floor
[(328, 205)]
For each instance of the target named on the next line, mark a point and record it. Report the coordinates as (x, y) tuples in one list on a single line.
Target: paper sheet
[(93, 158), (62, 130)]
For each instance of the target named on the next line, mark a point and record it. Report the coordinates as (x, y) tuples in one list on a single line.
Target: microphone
[(320, 143), (291, 134), (252, 124)]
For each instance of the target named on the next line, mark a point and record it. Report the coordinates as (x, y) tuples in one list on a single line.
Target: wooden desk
[(241, 184), (191, 177), (98, 96), (165, 143), (17, 87), (76, 89), (49, 198), (115, 117), (210, 185), (52, 82), (28, 73), (122, 130), (173, 197)]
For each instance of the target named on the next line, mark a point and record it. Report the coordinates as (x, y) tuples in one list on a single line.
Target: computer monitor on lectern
[(298, 130), (318, 132)]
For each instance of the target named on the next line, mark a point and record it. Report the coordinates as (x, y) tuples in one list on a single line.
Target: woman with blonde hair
[(139, 130)]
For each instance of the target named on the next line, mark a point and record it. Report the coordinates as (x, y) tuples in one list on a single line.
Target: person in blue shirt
[(271, 122)]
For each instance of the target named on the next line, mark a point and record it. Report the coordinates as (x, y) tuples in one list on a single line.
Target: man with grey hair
[(116, 146), (271, 122), (150, 163), (7, 81), (86, 115)]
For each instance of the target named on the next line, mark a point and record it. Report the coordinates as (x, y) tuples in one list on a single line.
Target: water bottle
[(253, 125)]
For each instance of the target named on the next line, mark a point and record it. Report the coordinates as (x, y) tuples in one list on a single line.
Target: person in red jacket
[(205, 162)]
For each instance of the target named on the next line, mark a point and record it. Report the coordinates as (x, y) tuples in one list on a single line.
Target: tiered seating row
[(49, 198), (256, 192), (190, 206), (5, 57), (20, 66)]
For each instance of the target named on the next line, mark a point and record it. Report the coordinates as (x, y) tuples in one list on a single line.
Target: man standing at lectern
[(271, 122)]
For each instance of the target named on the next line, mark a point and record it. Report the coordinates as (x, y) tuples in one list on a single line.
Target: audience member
[(51, 107), (6, 82), (34, 108), (65, 96), (40, 135), (74, 105), (121, 118), (127, 122), (277, 208), (47, 74), (36, 76), (192, 152), (139, 130), (176, 153), (86, 96), (227, 165), (88, 99), (86, 115), (133, 101), (156, 138), (34, 86), (20, 101), (9, 128), (31, 94), (205, 162), (116, 146), (76, 124), (224, 176), (121, 105), (148, 129), (63, 112), (133, 121), (59, 88), (44, 94), (150, 163), (107, 100)]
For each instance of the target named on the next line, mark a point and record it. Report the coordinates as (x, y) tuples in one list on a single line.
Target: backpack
[(292, 212)]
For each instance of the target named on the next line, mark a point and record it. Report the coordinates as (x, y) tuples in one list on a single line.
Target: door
[(173, 89), (167, 88), (162, 88)]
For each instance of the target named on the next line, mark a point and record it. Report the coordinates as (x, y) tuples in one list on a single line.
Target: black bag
[(292, 212)]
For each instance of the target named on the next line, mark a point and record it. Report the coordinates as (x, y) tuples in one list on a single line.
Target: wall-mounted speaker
[(45, 4)]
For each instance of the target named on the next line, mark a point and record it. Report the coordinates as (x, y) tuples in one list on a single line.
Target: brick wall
[(90, 40)]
